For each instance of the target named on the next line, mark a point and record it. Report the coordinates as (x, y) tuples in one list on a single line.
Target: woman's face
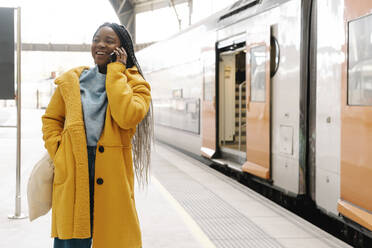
[(104, 43)]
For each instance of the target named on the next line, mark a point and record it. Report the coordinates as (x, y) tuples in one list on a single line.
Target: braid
[(144, 136)]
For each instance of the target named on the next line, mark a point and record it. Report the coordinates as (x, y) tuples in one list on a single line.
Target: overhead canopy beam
[(55, 47), (176, 13), (125, 11), (121, 7), (39, 47)]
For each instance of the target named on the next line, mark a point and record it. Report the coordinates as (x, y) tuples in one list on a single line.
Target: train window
[(258, 73), (360, 62)]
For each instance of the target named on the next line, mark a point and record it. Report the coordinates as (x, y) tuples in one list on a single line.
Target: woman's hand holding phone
[(119, 55)]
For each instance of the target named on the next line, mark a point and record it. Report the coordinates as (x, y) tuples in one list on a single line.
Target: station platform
[(186, 204)]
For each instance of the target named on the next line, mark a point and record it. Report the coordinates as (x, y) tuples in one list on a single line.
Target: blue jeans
[(82, 243)]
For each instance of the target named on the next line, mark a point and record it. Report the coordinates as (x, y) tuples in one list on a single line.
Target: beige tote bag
[(40, 188)]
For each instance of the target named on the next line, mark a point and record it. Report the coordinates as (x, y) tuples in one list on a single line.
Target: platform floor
[(186, 204)]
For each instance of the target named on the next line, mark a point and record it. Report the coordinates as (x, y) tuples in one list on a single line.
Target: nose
[(101, 44)]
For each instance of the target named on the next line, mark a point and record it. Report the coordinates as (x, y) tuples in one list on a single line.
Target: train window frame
[(251, 86), (362, 102)]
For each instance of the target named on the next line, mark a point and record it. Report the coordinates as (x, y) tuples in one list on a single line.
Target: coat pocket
[(60, 164), (63, 159)]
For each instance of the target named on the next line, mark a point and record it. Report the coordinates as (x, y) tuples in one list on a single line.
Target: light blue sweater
[(94, 103)]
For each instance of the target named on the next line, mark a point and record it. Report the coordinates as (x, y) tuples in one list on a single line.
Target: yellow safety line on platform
[(194, 228)]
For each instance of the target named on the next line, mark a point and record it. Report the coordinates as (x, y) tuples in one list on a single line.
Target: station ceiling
[(143, 5), (126, 10)]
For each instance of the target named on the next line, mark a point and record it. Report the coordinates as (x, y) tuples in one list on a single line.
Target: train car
[(344, 113), (280, 90)]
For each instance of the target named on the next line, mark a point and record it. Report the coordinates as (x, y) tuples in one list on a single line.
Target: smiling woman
[(93, 119)]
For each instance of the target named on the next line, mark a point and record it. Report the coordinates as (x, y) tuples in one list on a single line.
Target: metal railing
[(240, 114)]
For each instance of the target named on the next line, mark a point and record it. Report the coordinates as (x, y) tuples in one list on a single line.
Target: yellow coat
[(116, 223)]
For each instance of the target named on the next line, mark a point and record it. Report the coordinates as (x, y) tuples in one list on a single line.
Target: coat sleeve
[(53, 122), (128, 95)]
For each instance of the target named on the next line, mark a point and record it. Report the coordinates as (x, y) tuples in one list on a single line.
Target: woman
[(87, 128)]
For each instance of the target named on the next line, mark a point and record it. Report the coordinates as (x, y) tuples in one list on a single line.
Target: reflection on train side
[(180, 113), (258, 73), (360, 61), (360, 84)]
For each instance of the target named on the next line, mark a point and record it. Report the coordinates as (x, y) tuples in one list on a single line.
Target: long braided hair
[(144, 136)]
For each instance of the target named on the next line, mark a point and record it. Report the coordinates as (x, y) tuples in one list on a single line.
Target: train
[(280, 90)]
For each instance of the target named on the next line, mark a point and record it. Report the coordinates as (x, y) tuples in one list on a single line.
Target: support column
[(190, 11)]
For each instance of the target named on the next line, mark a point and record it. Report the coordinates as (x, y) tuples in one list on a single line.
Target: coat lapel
[(69, 84), (70, 90)]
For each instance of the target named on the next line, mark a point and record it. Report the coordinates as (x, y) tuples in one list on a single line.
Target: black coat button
[(101, 149), (99, 181)]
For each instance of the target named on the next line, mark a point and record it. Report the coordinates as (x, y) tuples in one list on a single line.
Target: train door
[(208, 131), (258, 103), (231, 104), (356, 115)]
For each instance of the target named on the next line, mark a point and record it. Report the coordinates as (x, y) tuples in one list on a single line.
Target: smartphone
[(112, 57)]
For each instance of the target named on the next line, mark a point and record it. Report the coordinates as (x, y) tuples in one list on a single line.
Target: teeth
[(100, 53)]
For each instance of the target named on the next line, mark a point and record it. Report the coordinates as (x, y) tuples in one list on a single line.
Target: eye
[(95, 40)]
